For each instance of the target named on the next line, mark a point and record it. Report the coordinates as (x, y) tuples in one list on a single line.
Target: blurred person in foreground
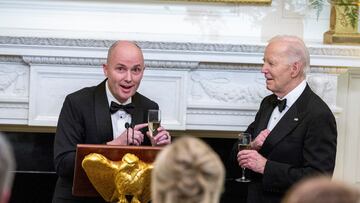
[(322, 189), (187, 171), (111, 113), (294, 132), (7, 167)]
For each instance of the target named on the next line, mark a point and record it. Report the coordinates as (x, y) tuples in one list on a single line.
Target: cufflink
[(296, 119)]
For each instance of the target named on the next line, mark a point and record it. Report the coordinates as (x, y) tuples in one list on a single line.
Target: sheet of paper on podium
[(82, 185)]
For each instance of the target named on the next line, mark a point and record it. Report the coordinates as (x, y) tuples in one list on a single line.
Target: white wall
[(151, 20)]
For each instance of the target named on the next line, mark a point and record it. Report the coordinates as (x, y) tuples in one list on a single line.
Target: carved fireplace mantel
[(199, 86)]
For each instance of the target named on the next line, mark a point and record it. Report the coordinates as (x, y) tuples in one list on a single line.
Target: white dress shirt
[(119, 118), (291, 97)]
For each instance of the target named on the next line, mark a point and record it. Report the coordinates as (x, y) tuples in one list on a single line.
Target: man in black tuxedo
[(110, 113), (294, 130)]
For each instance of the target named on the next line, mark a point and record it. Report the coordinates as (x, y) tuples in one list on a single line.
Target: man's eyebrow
[(137, 65), (120, 64)]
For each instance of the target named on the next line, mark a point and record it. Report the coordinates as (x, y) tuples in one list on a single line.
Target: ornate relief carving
[(325, 86), (213, 89), (99, 61), (164, 46), (201, 47), (328, 70), (226, 90), (333, 51), (55, 42), (171, 64), (229, 66), (11, 59), (64, 60), (13, 78)]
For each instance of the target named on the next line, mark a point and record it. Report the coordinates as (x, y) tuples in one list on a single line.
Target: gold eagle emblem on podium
[(118, 180)]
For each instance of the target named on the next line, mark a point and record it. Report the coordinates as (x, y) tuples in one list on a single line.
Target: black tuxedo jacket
[(85, 119), (302, 143)]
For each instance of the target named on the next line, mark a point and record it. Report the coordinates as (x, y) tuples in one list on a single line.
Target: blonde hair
[(322, 190), (187, 171)]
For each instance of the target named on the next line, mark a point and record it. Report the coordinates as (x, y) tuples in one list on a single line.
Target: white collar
[(294, 94)]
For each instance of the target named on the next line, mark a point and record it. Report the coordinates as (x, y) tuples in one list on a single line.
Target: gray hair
[(296, 50), (7, 165)]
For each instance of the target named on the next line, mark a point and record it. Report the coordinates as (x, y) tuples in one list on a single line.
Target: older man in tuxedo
[(112, 113), (294, 130)]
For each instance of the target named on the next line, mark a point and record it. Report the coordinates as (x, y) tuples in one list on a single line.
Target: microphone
[(132, 126), (127, 125)]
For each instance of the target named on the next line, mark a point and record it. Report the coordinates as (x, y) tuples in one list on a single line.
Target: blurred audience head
[(187, 171), (7, 167), (322, 190)]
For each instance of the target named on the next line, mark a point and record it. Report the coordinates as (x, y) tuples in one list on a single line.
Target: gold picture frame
[(233, 1)]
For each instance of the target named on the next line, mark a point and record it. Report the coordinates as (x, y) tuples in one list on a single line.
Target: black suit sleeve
[(69, 133), (232, 165)]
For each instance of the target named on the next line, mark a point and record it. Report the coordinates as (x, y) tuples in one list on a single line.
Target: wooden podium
[(82, 185)]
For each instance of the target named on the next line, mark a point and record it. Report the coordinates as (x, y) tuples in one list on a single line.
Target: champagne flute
[(244, 141), (154, 119)]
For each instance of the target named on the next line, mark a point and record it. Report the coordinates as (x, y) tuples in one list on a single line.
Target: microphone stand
[(132, 126), (127, 125)]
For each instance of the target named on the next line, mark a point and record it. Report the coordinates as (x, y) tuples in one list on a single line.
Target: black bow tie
[(280, 103), (114, 107)]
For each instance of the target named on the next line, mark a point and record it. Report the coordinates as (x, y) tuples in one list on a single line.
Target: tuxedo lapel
[(102, 114), (288, 122), (292, 118), (265, 115), (138, 113)]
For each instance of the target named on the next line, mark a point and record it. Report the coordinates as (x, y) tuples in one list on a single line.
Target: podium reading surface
[(82, 185)]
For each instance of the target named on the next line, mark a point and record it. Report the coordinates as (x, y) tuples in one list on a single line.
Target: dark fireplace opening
[(233, 191), (34, 176)]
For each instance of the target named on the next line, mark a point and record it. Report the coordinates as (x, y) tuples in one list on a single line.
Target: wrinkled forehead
[(276, 49)]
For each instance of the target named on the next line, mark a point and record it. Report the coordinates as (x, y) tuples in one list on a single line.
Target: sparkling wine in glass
[(244, 141), (154, 119)]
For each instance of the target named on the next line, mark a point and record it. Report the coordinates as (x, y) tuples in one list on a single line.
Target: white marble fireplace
[(199, 86)]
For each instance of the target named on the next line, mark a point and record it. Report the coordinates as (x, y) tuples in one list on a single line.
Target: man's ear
[(296, 69), (105, 66)]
